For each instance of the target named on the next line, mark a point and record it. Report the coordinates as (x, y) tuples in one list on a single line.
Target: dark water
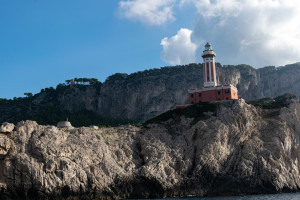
[(290, 196)]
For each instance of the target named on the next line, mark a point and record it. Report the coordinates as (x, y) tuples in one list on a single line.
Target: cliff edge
[(231, 147)]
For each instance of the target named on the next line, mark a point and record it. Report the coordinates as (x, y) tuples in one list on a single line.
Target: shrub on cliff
[(51, 115), (196, 111), (275, 103)]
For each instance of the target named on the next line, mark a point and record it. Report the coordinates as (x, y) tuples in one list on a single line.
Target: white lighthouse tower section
[(209, 67)]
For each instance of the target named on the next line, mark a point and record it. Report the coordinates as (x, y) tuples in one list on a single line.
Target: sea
[(284, 196)]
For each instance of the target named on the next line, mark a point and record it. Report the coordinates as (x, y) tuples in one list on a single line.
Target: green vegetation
[(272, 69), (239, 67), (28, 94), (270, 103), (47, 110), (23, 109), (51, 115), (195, 111), (15, 110), (169, 70), (83, 81), (267, 69), (117, 76)]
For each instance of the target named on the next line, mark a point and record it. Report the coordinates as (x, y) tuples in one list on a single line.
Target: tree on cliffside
[(28, 94)]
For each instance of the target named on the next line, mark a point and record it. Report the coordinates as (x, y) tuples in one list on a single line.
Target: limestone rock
[(5, 145), (7, 127), (94, 127), (237, 150)]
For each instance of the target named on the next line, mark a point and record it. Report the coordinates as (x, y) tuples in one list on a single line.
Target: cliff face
[(235, 149), (143, 95)]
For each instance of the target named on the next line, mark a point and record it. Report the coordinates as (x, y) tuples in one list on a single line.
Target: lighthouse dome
[(208, 47)]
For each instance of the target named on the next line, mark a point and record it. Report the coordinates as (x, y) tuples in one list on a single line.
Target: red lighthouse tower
[(209, 66), (211, 91)]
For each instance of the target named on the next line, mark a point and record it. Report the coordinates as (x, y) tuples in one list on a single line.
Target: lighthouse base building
[(211, 91), (211, 94)]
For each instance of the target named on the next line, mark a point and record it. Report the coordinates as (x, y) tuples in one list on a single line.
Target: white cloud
[(151, 12), (222, 8), (256, 32), (179, 49)]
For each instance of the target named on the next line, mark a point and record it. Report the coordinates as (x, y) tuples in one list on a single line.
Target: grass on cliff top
[(195, 111), (274, 103)]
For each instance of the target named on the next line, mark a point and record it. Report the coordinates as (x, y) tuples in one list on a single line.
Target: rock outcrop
[(237, 149), (7, 127)]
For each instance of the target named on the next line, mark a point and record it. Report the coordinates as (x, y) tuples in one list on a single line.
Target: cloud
[(255, 32), (179, 49), (151, 12), (222, 8)]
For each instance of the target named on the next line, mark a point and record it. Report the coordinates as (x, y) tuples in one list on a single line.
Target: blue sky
[(43, 43)]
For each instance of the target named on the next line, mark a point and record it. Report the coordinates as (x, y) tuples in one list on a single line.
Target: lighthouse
[(211, 91), (209, 67)]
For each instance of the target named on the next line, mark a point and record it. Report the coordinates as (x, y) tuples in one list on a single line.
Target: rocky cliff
[(143, 95), (208, 149)]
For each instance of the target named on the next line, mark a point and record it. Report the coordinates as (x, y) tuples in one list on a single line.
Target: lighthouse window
[(192, 95), (227, 92), (219, 92), (199, 94)]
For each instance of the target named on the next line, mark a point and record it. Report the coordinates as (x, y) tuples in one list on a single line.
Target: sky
[(43, 43)]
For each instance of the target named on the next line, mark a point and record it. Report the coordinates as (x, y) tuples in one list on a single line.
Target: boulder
[(5, 145), (7, 127), (94, 127), (64, 124)]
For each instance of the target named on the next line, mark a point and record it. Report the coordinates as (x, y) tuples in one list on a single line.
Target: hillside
[(224, 148), (143, 95)]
